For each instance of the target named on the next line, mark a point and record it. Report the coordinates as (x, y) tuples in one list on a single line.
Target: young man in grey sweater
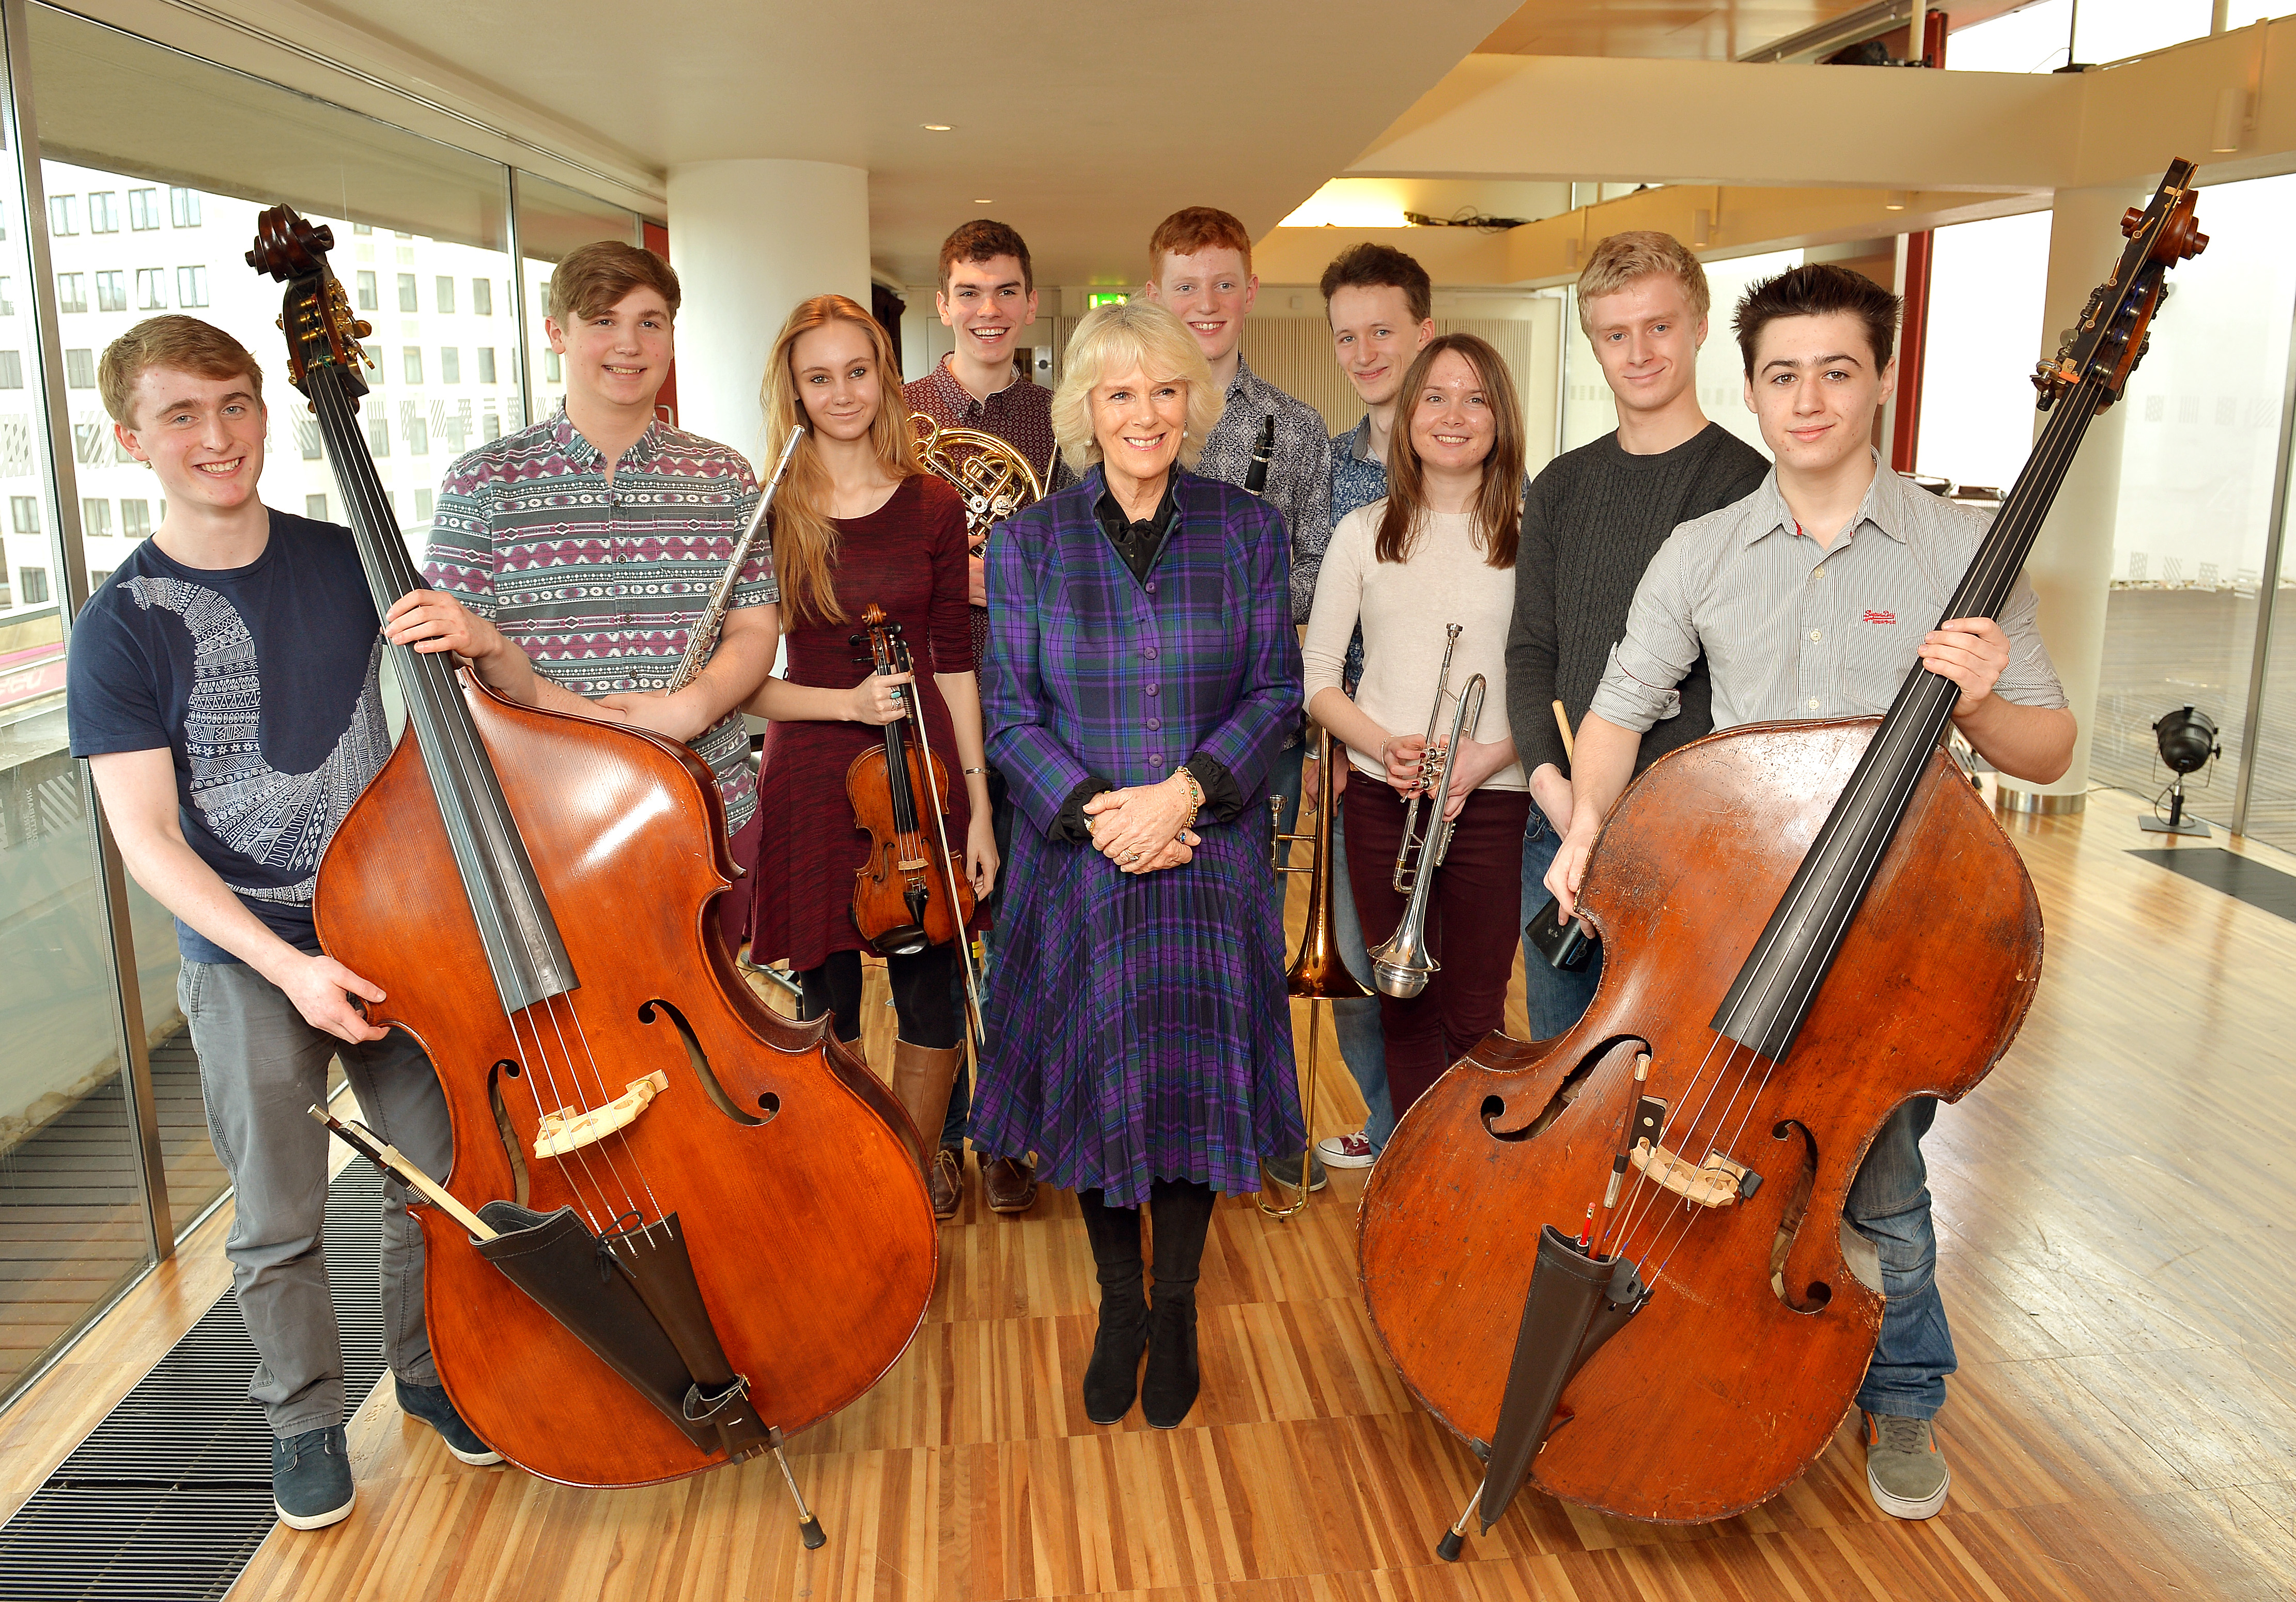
[(1593, 519)]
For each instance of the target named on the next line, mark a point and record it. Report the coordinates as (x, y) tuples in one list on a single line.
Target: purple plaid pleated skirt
[(1138, 1027)]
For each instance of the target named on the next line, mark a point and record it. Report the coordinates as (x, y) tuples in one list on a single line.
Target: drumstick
[(1563, 722)]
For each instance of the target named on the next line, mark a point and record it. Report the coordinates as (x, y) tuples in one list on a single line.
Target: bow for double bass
[(688, 1178), (1692, 1352)]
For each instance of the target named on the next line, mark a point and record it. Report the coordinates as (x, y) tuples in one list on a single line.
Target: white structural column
[(2072, 565), (750, 239)]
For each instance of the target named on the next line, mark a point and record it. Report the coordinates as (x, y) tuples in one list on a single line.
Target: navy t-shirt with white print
[(264, 681)]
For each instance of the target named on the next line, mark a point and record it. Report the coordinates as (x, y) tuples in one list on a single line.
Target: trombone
[(1316, 973), (1401, 966)]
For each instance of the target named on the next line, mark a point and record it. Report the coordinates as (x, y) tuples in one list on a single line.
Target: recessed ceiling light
[(937, 128), (984, 200)]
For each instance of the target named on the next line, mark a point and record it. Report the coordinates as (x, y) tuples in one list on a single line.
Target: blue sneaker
[(311, 1479), (430, 1404)]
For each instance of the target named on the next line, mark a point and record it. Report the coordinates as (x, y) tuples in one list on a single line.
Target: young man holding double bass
[(224, 690), (1809, 599)]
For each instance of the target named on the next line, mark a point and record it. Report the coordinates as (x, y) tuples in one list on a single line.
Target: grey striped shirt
[(1791, 630)]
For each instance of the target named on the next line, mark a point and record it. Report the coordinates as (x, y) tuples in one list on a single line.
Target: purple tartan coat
[(1138, 1026)]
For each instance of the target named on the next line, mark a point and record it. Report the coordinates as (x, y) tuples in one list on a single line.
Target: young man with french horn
[(988, 295)]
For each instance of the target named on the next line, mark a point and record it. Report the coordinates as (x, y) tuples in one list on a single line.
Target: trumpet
[(1401, 966), (992, 476), (1316, 973)]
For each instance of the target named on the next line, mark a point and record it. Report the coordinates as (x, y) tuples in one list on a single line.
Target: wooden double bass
[(533, 891), (1733, 1072)]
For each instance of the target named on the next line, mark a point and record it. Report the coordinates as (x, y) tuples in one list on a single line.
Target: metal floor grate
[(170, 1496)]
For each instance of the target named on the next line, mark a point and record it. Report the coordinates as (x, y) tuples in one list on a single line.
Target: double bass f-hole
[(909, 895)]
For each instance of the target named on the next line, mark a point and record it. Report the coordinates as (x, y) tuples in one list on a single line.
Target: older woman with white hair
[(1142, 676)]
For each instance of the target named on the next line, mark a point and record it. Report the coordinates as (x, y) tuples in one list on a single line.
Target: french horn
[(994, 479)]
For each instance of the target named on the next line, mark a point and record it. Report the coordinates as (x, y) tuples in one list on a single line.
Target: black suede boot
[(1182, 1215), (1112, 1378)]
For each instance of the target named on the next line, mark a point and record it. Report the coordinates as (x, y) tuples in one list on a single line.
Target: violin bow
[(980, 1029)]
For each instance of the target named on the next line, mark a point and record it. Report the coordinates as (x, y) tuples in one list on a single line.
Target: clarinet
[(1255, 482)]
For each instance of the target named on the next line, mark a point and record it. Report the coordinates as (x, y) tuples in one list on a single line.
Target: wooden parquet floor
[(2113, 1207)]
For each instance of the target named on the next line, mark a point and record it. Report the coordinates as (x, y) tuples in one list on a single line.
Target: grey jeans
[(261, 1066)]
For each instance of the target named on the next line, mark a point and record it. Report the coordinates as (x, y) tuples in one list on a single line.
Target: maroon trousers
[(1474, 922)]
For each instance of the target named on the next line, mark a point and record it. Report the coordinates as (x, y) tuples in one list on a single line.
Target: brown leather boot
[(1010, 1184), (922, 1078)]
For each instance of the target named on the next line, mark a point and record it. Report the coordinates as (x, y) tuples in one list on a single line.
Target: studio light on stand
[(2187, 740)]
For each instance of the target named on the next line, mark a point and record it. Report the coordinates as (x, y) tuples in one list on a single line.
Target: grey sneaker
[(430, 1404), (1285, 1172), (311, 1479), (1904, 1468)]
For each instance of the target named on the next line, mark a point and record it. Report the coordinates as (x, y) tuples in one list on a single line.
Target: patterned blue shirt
[(1357, 480)]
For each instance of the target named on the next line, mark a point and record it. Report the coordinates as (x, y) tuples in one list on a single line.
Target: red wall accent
[(657, 240)]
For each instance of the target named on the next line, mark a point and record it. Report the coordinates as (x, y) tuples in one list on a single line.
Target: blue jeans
[(1552, 997), (1356, 1022), (1889, 1204)]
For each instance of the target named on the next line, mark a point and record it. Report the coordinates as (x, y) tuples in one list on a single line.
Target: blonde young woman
[(1142, 676), (1438, 550), (858, 520)]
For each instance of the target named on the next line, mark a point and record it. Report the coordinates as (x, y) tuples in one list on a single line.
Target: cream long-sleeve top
[(1405, 607)]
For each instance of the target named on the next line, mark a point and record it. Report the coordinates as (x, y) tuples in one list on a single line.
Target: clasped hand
[(1139, 829), (1407, 757)]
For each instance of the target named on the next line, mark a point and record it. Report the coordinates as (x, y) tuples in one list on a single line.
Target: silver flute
[(703, 639)]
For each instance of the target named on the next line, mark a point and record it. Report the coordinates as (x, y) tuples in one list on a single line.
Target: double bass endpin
[(808, 1528)]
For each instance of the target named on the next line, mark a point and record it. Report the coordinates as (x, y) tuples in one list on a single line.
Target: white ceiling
[(1080, 122)]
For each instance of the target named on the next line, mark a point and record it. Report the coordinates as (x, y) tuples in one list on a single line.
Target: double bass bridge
[(1717, 1183), (568, 1131)]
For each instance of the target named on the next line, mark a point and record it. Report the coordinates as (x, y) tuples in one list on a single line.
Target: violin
[(908, 896), (704, 1225), (1808, 925)]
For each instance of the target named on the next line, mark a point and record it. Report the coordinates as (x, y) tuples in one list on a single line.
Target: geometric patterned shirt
[(600, 583), (1299, 470)]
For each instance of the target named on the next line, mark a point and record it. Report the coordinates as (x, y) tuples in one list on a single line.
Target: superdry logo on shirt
[(1880, 617)]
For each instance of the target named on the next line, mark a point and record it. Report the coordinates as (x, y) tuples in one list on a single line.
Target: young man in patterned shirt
[(232, 638), (1381, 304), (988, 295), (644, 516), (1200, 269)]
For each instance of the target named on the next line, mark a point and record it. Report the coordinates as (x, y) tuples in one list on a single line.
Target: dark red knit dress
[(908, 558)]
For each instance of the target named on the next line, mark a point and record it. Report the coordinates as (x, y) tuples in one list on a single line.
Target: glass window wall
[(142, 220)]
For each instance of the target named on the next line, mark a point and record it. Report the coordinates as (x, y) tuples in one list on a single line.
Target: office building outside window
[(32, 585), (450, 363), (183, 209), (11, 370), (111, 291), (135, 519), (79, 370), (413, 362), (445, 290), (367, 302), (95, 519), (485, 363), (143, 209), (315, 507), (377, 436), (191, 286), (152, 289), (63, 214), (24, 513), (406, 301), (104, 212), (482, 298), (71, 291)]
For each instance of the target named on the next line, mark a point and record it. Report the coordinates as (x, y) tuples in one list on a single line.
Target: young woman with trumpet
[(1410, 566), (858, 521)]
